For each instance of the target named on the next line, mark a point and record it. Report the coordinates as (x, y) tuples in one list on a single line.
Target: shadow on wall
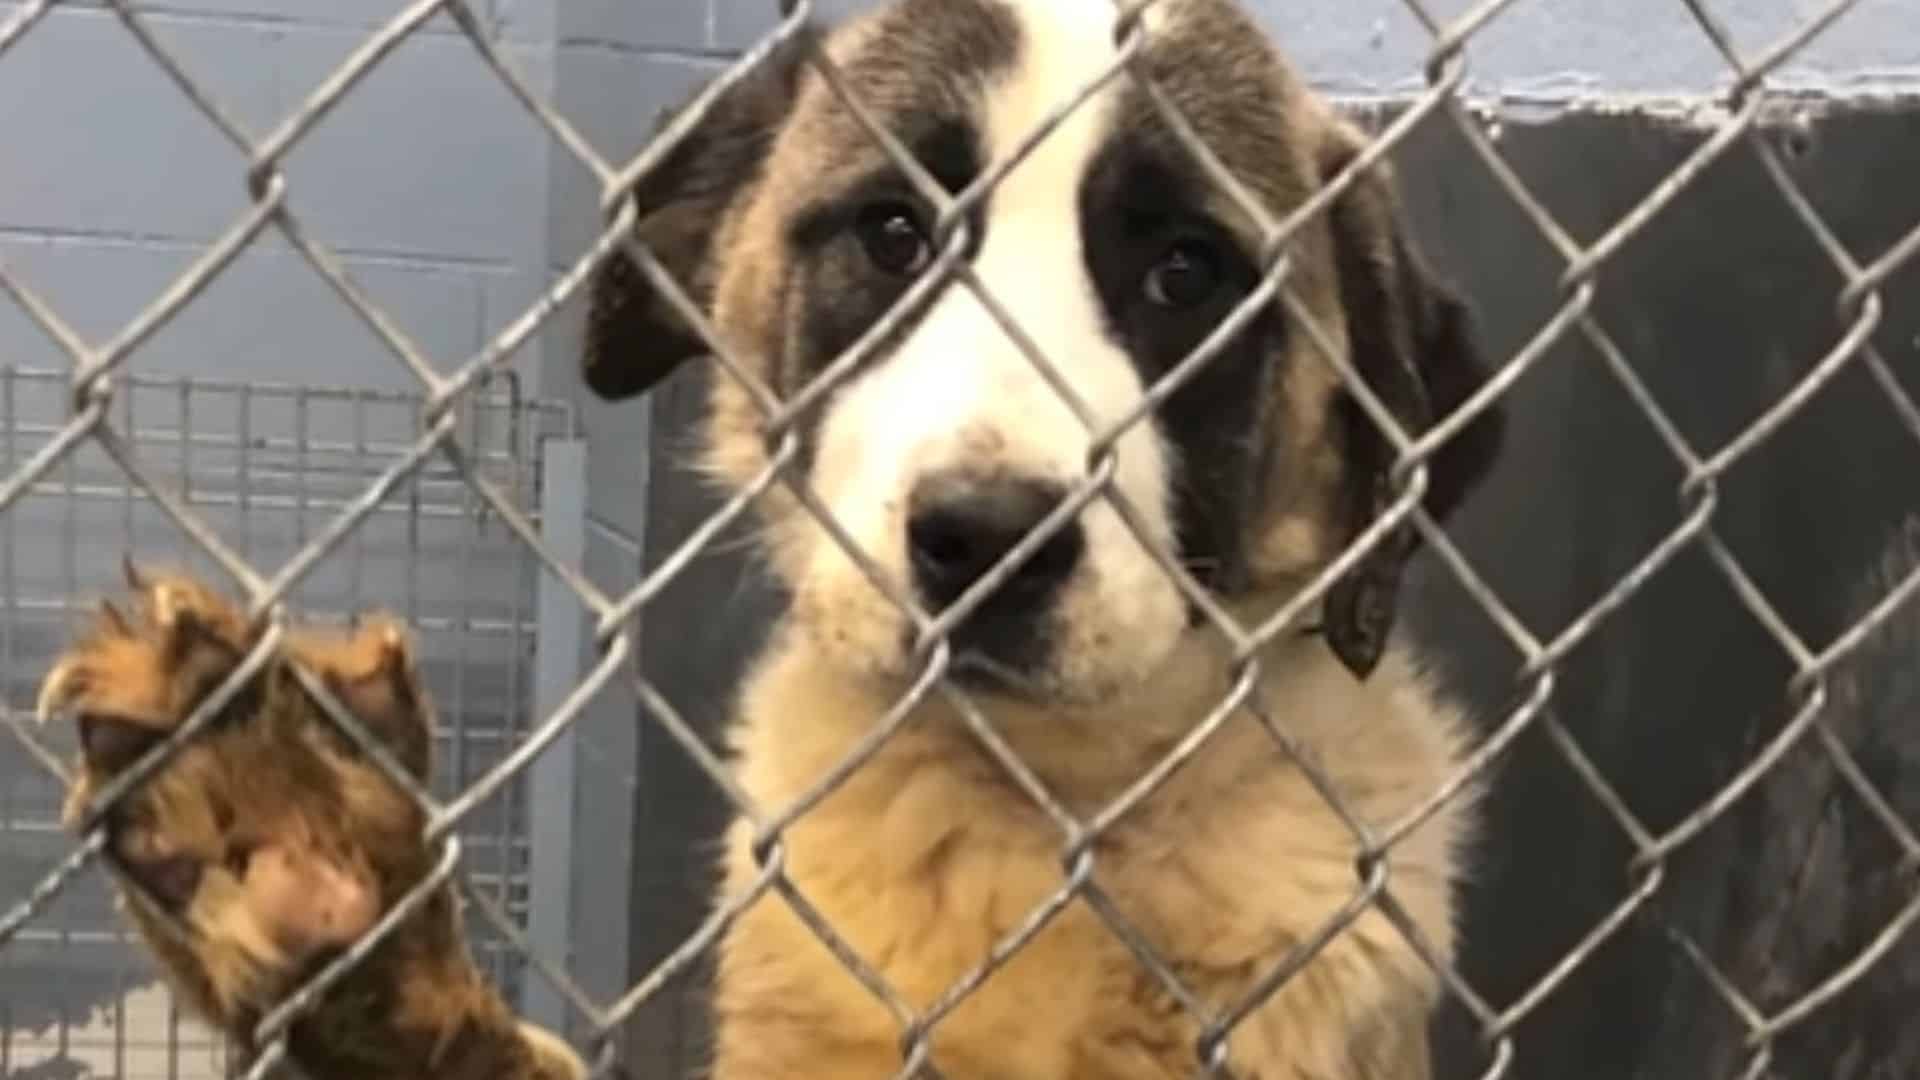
[(1721, 304)]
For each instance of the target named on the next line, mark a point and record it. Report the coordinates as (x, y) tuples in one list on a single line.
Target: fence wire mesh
[(100, 436)]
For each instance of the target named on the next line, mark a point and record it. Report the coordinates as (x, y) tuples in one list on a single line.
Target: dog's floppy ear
[(634, 338), (1412, 340)]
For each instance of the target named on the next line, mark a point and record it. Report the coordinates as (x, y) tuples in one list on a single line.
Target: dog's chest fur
[(928, 858)]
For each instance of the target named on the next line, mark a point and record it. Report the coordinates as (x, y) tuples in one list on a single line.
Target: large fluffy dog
[(1115, 257)]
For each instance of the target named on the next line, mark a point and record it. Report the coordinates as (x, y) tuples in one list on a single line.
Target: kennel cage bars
[(1749, 104)]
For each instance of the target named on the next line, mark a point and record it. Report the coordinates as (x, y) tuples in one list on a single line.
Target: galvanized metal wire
[(97, 377)]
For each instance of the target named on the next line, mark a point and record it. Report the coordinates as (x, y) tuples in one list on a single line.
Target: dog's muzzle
[(959, 528)]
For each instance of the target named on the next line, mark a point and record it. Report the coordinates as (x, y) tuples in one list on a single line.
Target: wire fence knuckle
[(447, 445)]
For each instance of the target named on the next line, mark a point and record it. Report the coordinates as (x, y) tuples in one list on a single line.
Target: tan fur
[(928, 856), (297, 844)]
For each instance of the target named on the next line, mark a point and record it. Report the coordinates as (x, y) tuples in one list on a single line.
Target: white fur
[(960, 392)]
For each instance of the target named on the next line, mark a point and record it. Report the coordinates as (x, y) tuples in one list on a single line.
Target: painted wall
[(1536, 49), (427, 181)]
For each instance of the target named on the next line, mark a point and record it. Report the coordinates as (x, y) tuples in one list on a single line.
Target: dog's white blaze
[(960, 393)]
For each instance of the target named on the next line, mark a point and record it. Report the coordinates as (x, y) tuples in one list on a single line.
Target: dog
[(793, 233), (277, 843)]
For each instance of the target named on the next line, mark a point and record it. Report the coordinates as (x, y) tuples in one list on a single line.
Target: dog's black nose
[(959, 528)]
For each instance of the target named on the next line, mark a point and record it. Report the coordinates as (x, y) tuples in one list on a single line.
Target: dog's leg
[(268, 843)]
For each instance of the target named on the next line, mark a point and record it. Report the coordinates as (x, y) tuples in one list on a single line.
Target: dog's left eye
[(893, 238), (1186, 276)]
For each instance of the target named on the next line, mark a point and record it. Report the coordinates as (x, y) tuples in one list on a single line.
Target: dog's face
[(1114, 258)]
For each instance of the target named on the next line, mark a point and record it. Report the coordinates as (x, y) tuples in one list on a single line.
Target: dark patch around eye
[(838, 290), (1167, 276), (950, 154), (946, 149)]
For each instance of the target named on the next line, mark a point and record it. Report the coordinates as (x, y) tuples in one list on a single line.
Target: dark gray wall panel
[(1722, 304)]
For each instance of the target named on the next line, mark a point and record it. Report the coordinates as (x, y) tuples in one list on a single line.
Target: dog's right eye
[(891, 234)]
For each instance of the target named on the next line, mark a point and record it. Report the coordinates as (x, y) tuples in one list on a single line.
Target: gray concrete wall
[(428, 181)]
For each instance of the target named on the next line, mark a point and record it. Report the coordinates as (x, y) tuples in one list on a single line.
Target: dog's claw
[(393, 649), (112, 613), (54, 691), (167, 610)]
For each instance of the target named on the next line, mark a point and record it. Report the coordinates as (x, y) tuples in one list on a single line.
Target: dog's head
[(1115, 257)]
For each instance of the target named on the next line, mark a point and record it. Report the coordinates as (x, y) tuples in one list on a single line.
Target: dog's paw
[(136, 673), (266, 841), (373, 673)]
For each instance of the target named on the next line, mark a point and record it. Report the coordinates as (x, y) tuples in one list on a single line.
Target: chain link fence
[(100, 439)]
